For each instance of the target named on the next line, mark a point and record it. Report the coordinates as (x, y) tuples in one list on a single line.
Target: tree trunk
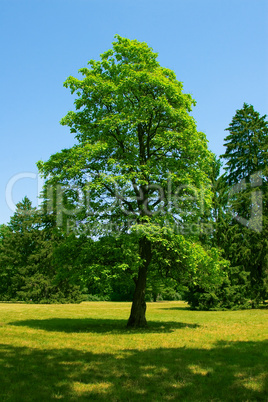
[(137, 315)]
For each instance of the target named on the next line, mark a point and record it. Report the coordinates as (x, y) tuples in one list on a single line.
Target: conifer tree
[(27, 268), (246, 178)]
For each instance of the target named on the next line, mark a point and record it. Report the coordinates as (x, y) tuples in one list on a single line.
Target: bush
[(97, 298), (232, 294)]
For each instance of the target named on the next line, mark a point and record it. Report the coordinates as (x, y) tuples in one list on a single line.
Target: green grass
[(84, 352)]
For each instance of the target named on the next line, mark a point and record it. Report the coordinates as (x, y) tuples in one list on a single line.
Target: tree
[(246, 145), (5, 272), (246, 169), (139, 159), (101, 266), (17, 245), (27, 267)]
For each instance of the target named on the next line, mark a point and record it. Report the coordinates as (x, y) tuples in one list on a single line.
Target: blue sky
[(217, 48)]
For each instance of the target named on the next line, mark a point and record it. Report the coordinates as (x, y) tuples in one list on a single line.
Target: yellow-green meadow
[(85, 352)]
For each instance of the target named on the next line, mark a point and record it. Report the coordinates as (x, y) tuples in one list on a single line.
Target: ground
[(85, 352)]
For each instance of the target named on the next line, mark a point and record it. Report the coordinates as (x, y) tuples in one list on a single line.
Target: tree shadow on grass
[(233, 371), (98, 325)]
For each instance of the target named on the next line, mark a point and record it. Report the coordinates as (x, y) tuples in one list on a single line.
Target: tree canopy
[(135, 136)]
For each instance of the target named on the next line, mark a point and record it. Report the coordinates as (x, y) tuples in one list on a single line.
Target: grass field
[(84, 352)]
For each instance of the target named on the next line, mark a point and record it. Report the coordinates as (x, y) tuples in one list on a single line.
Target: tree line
[(138, 208)]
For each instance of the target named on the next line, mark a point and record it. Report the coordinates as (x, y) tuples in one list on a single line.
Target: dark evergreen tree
[(246, 177), (246, 145), (240, 217), (27, 268)]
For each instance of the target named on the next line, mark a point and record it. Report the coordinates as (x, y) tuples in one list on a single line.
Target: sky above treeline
[(217, 48)]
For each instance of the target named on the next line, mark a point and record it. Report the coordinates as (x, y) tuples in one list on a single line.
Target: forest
[(140, 209)]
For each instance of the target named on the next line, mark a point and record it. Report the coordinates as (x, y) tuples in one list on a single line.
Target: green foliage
[(138, 152), (241, 217), (138, 200), (27, 268), (101, 266), (232, 293), (182, 259), (246, 145), (246, 241), (89, 297), (139, 176), (138, 161)]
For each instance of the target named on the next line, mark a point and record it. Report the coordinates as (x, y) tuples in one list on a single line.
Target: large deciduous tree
[(138, 157)]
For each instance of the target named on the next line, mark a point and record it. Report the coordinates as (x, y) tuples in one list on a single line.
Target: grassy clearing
[(84, 352)]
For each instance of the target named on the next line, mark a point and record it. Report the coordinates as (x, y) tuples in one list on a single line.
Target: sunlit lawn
[(84, 352)]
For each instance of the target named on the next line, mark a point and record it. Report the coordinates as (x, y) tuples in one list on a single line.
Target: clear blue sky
[(217, 48)]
